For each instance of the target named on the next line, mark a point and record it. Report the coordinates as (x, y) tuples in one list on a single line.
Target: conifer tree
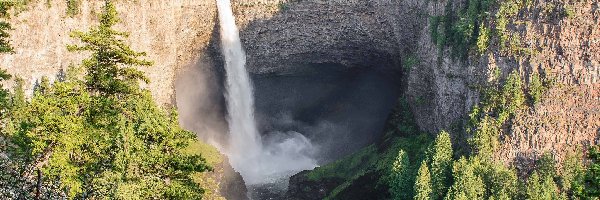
[(541, 188), (105, 137), (467, 185), (423, 183), (5, 46), (110, 69), (441, 163), (399, 180)]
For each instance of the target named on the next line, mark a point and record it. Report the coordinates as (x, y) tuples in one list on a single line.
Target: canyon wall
[(172, 33)]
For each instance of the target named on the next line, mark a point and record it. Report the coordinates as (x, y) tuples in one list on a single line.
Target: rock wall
[(441, 89), (172, 33)]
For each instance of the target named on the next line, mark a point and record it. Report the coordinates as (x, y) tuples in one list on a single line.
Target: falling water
[(240, 101), (258, 163)]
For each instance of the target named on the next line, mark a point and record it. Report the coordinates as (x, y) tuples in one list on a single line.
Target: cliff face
[(441, 89), (566, 48), (171, 32)]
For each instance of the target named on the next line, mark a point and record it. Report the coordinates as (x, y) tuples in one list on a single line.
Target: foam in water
[(259, 162)]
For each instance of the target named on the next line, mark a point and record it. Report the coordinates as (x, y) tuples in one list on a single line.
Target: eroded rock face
[(171, 32), (441, 90), (353, 33)]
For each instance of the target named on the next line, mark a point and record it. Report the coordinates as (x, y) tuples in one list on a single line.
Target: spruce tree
[(5, 46), (399, 177), (111, 67), (589, 187), (423, 183), (541, 188), (441, 163), (467, 184), (104, 137)]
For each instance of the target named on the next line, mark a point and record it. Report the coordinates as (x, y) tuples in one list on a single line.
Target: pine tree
[(589, 187), (110, 69), (4, 101), (105, 137), (399, 180), (423, 183), (441, 163), (541, 188), (467, 185), (5, 46)]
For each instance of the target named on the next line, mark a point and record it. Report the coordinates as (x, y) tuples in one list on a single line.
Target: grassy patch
[(208, 152)]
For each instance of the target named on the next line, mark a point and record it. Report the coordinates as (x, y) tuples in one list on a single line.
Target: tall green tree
[(104, 137), (467, 184), (423, 183), (589, 187), (541, 188), (111, 67), (441, 165), (5, 27), (399, 182)]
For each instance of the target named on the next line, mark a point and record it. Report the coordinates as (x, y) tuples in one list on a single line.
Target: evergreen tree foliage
[(541, 188), (441, 164), (4, 37), (4, 100), (546, 165), (103, 137), (110, 69), (423, 183), (589, 188), (572, 174), (5, 46), (467, 185), (399, 178), (501, 183)]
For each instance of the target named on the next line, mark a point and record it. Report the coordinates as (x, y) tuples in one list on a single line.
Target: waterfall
[(240, 100), (283, 154)]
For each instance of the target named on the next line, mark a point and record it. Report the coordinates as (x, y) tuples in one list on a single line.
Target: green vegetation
[(423, 183), (399, 181), (409, 62), (500, 102), (5, 46), (403, 156), (101, 137), (73, 7), (588, 187), (441, 163), (467, 185), (478, 25), (282, 6)]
